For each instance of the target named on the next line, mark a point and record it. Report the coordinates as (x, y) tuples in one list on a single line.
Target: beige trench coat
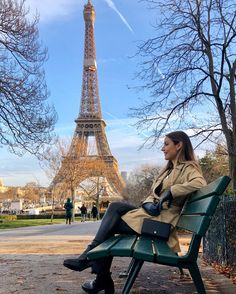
[(184, 179)]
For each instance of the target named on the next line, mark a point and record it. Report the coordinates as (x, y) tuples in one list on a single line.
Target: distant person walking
[(83, 210), (68, 207), (94, 212)]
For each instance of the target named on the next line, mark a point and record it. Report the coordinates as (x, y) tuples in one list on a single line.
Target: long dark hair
[(186, 153)]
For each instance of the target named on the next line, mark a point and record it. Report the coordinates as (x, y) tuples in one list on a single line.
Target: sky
[(119, 27)]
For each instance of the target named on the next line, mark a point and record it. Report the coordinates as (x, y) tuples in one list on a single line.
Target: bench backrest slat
[(215, 188), (197, 211), (194, 223), (206, 206)]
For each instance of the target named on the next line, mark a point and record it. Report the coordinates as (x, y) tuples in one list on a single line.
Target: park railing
[(219, 244)]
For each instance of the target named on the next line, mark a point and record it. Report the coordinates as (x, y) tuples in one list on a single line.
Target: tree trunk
[(231, 146), (232, 169), (52, 215)]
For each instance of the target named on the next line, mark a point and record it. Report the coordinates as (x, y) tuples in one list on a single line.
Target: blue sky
[(119, 26)]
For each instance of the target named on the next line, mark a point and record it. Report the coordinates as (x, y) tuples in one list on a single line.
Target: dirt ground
[(45, 247), (27, 267), (45, 274), (34, 265)]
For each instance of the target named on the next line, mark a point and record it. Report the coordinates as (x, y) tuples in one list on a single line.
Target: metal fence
[(219, 244)]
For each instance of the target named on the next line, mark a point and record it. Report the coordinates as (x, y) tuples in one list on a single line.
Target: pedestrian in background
[(68, 207), (94, 212), (83, 210)]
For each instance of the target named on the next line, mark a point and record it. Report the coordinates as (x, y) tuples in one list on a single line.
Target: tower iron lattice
[(90, 123)]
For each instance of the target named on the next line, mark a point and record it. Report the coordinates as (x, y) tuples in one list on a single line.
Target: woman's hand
[(152, 209), (166, 198)]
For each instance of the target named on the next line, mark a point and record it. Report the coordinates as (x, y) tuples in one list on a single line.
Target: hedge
[(7, 217)]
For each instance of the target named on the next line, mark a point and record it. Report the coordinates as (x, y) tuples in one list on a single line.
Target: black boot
[(80, 263), (103, 281)]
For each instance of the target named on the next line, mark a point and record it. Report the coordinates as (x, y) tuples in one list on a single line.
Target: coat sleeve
[(193, 180)]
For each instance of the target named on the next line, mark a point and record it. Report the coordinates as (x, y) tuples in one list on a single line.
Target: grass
[(29, 223), (32, 222)]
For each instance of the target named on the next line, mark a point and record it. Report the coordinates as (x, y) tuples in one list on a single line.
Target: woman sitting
[(180, 177)]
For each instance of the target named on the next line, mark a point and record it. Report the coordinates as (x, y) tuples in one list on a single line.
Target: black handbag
[(156, 229)]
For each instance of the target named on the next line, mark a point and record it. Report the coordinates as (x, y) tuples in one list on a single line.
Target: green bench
[(195, 217)]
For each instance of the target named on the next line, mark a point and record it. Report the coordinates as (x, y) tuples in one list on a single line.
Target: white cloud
[(112, 5), (49, 10), (52, 9)]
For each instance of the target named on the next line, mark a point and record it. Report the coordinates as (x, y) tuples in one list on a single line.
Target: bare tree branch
[(26, 121), (190, 65)]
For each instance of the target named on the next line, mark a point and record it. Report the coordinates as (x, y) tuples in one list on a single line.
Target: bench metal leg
[(125, 274), (180, 268), (181, 271), (135, 268), (197, 279)]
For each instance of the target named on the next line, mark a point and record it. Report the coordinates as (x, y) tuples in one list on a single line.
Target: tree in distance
[(215, 163), (67, 165), (139, 183)]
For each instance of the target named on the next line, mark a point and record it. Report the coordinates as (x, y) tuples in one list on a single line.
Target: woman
[(178, 179), (68, 207)]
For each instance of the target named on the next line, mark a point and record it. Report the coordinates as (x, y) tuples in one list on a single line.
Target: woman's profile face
[(171, 149)]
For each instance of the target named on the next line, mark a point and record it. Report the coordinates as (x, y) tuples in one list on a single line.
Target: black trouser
[(111, 224), (68, 217)]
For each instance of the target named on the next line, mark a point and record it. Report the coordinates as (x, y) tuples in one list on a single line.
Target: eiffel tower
[(89, 123)]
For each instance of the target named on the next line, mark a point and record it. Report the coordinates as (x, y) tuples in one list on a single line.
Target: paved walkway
[(31, 263)]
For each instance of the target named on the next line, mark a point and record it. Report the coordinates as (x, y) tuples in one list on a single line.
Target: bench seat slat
[(194, 223), (204, 206), (144, 249), (165, 255), (124, 247), (103, 249)]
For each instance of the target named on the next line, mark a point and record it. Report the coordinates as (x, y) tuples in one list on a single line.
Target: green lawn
[(29, 222)]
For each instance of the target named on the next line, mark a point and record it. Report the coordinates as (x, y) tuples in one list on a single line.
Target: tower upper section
[(89, 12), (90, 102)]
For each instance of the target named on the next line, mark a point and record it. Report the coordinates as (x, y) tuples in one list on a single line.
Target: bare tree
[(69, 166), (51, 163), (9, 193), (101, 171), (26, 121), (189, 68), (60, 169), (139, 183), (53, 156), (31, 192)]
